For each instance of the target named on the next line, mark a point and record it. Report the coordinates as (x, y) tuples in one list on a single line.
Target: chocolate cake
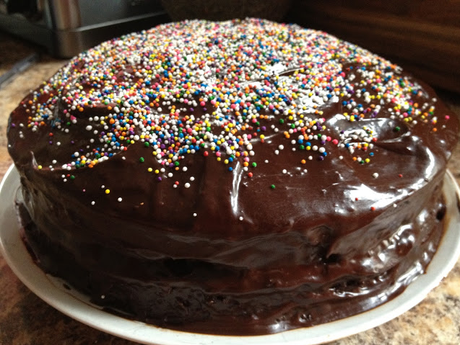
[(240, 177)]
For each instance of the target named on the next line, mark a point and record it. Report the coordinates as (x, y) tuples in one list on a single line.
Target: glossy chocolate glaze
[(297, 243)]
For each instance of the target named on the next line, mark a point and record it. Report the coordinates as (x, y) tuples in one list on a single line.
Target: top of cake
[(267, 107)]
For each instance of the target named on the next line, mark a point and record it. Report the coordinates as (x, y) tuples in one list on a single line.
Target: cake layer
[(203, 296), (241, 177)]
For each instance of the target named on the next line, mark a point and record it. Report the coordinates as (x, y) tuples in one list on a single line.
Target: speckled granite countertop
[(27, 320)]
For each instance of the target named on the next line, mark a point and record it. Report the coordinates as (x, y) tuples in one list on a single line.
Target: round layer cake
[(240, 177)]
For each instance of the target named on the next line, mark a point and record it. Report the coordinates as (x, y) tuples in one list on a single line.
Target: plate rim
[(19, 260)]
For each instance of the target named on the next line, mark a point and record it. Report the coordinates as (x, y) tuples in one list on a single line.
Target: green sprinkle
[(254, 164), (272, 186), (142, 160)]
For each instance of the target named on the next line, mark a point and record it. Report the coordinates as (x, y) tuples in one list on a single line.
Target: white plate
[(52, 292)]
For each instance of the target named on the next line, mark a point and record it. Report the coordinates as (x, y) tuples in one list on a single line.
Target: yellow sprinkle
[(107, 191)]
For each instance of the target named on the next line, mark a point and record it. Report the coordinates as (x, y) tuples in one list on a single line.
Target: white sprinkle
[(375, 175)]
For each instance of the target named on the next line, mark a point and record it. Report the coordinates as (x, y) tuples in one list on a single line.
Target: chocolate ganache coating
[(241, 177)]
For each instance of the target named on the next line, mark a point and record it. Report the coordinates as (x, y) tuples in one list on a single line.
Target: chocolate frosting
[(303, 189)]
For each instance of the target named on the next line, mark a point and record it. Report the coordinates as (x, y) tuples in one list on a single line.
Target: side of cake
[(241, 177)]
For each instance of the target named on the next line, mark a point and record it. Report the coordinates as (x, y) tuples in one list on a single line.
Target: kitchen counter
[(26, 319)]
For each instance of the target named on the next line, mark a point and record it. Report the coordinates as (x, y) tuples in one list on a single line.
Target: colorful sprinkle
[(219, 89)]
